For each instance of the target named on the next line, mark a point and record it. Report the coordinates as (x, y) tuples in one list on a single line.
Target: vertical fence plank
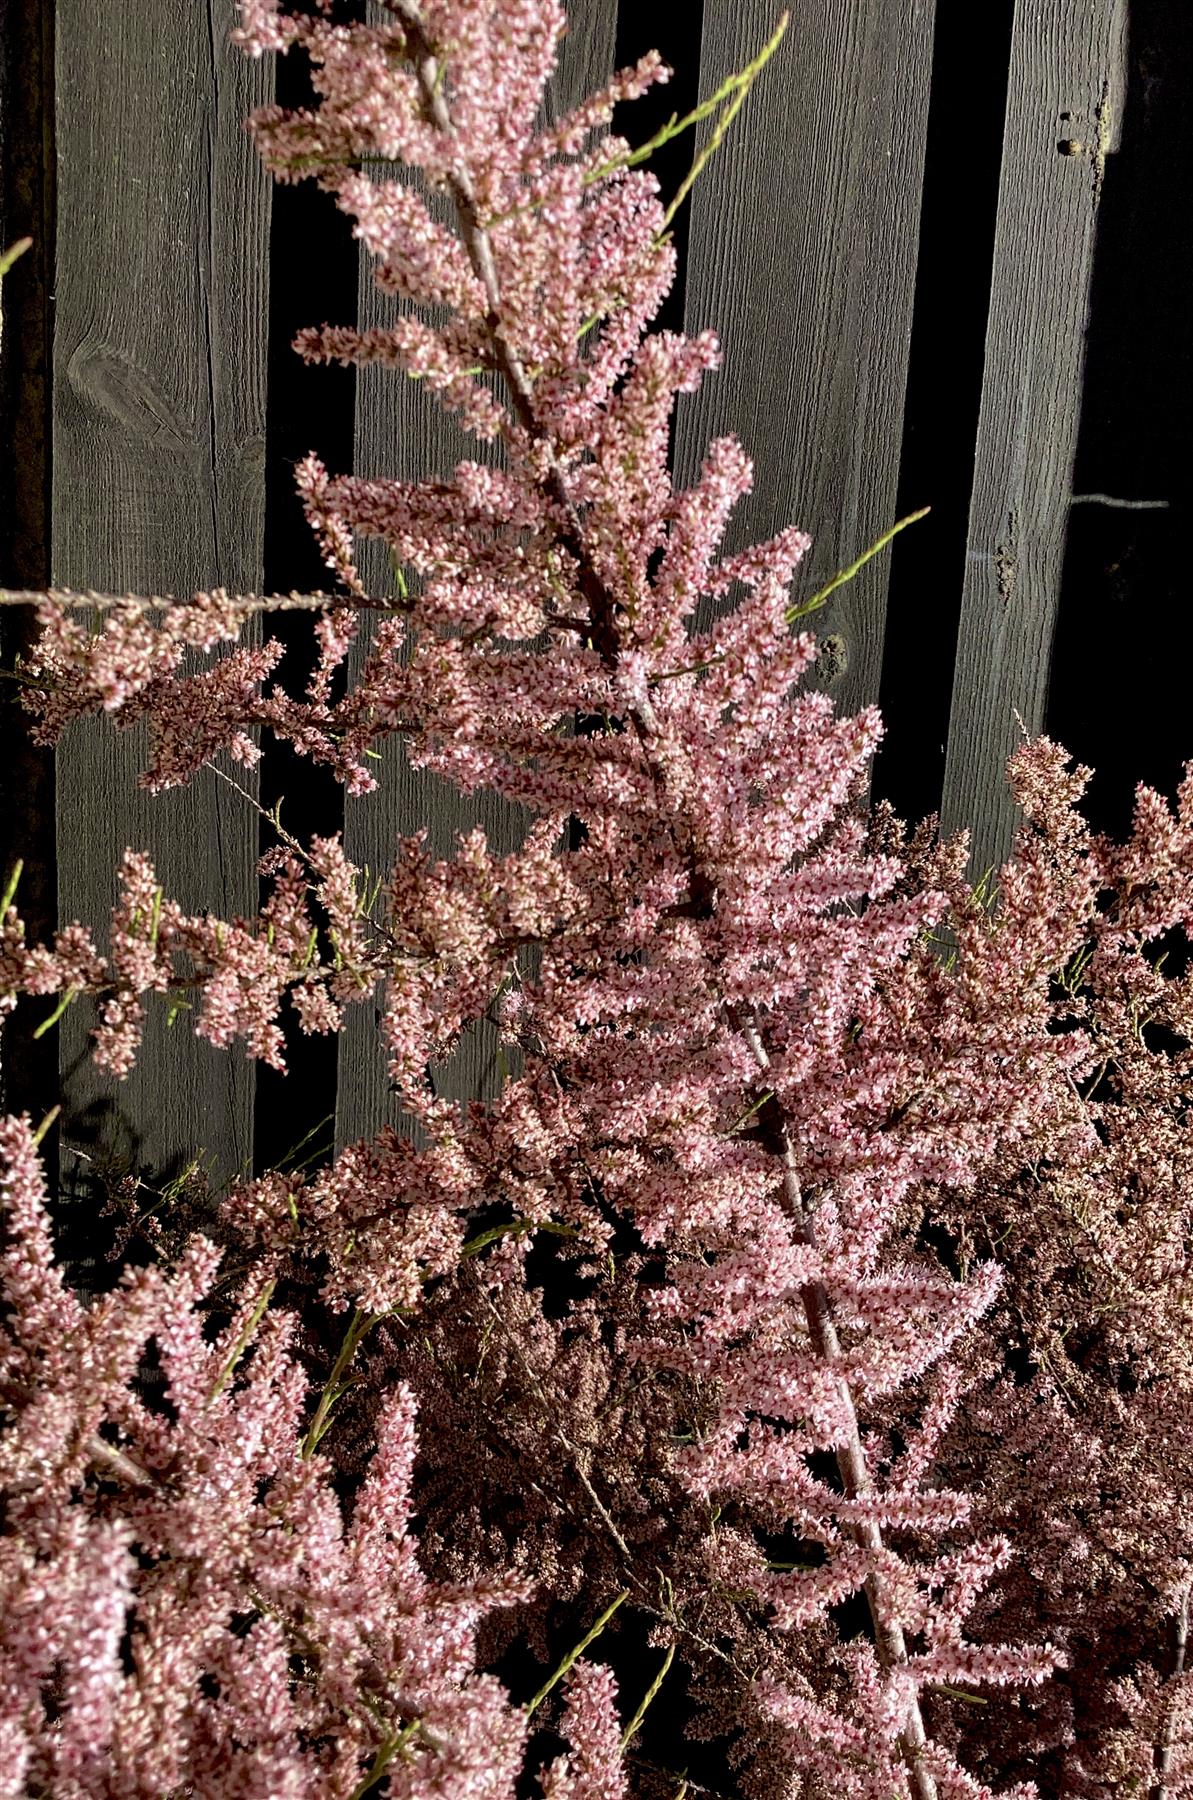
[(402, 434), (1063, 98), (802, 256), (158, 485)]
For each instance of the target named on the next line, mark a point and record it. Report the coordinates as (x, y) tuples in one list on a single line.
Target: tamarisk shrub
[(162, 1573), (858, 1384), (1078, 1390)]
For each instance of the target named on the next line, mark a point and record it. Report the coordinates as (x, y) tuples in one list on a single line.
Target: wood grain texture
[(401, 433), (1064, 97), (802, 255), (158, 485)]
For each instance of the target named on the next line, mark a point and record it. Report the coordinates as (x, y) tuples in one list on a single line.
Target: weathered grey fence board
[(158, 483), (1063, 99), (802, 255), (401, 433)]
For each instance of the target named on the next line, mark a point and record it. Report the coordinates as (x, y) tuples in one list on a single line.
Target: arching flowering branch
[(233, 974)]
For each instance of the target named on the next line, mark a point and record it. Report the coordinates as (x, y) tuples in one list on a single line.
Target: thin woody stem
[(479, 247), (106, 1459), (890, 1642)]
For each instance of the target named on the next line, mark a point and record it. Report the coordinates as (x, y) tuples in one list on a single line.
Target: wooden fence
[(948, 251)]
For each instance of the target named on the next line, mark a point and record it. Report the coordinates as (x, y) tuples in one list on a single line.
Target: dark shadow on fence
[(1123, 657), (29, 1072), (677, 36), (312, 281), (970, 64)]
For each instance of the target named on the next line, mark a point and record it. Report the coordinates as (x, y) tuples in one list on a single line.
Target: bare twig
[(105, 1458)]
